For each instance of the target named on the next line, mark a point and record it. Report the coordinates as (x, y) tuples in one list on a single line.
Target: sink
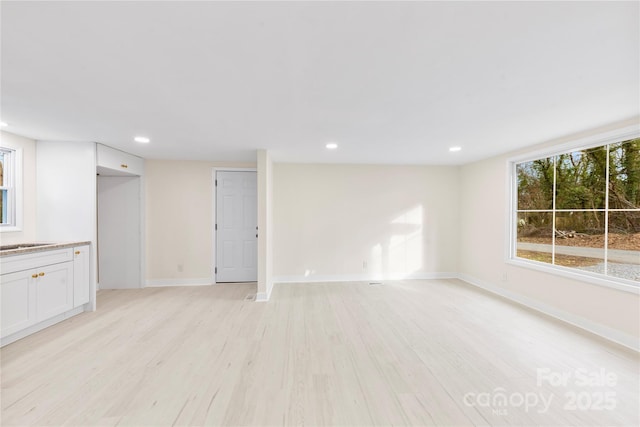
[(23, 246)]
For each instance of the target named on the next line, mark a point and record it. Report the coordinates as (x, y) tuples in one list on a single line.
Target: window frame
[(602, 139), (13, 175)]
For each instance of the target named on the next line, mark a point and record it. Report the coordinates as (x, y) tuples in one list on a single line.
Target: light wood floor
[(405, 353)]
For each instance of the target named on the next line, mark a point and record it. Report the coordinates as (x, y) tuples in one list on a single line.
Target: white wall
[(400, 221), (179, 220), (28, 147), (483, 200), (66, 197)]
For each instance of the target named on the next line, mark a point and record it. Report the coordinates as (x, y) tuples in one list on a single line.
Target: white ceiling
[(389, 82)]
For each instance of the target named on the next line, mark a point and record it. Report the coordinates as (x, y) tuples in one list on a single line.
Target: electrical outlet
[(364, 265), (504, 277), (180, 268)]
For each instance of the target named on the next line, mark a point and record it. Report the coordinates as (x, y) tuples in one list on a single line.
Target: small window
[(580, 210), (7, 188)]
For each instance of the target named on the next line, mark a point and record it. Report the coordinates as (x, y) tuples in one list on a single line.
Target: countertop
[(42, 246)]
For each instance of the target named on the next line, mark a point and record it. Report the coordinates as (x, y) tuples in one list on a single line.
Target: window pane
[(624, 245), (580, 240), (535, 184), (577, 184), (581, 179), (535, 231), (624, 169), (2, 169), (3, 206)]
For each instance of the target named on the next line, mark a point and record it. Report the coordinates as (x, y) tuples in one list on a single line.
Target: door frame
[(214, 234)]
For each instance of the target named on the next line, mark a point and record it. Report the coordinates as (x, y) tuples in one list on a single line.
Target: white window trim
[(17, 193), (605, 138)]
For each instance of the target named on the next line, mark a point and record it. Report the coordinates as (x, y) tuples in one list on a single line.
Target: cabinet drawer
[(118, 161), (11, 264)]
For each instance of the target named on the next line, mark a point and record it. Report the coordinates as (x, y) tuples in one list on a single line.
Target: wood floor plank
[(403, 353)]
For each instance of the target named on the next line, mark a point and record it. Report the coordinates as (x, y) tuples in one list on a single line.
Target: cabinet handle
[(41, 274), (35, 276), (124, 166), (77, 252)]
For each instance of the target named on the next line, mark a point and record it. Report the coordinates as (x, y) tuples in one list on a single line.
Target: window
[(579, 211), (7, 187)]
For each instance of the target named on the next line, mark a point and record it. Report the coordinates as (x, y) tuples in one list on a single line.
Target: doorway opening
[(119, 235)]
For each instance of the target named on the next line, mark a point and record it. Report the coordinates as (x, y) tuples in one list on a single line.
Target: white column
[(265, 226)]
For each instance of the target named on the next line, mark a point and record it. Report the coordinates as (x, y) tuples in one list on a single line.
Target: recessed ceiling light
[(331, 146), (454, 149), (3, 124), (142, 139)]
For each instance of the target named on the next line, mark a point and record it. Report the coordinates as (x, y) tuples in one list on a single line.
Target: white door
[(236, 226)]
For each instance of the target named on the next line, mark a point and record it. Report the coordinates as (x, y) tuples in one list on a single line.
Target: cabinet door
[(17, 305), (54, 290), (81, 278), (119, 161)]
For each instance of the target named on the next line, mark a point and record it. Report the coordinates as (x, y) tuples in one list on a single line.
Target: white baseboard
[(361, 277), (265, 296), (40, 326), (603, 331), (159, 283)]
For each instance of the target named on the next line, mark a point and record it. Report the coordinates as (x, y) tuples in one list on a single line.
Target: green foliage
[(624, 185), (581, 183), (581, 179), (535, 184)]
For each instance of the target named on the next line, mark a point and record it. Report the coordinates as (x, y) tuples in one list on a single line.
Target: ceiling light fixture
[(454, 149), (3, 124), (142, 139), (331, 146)]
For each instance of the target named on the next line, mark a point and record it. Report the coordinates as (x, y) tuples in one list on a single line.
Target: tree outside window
[(581, 210)]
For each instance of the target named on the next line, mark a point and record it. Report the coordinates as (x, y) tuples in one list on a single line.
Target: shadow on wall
[(401, 255), (399, 250)]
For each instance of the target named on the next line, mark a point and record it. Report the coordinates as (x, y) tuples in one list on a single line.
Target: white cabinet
[(18, 306), (66, 197), (54, 290), (41, 288), (37, 294), (81, 275), (115, 162)]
